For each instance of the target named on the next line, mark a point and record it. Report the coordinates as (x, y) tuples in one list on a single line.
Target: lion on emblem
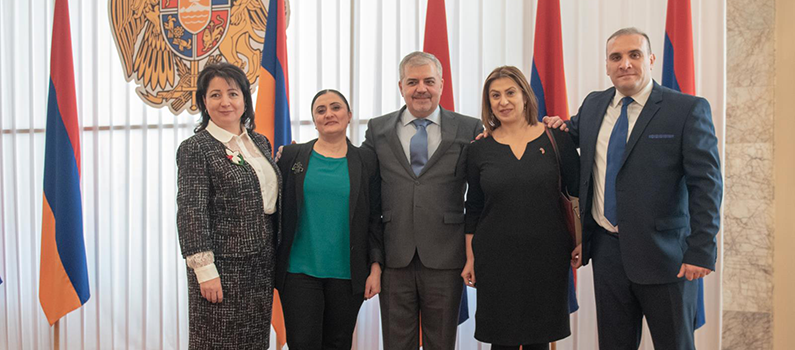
[(213, 32)]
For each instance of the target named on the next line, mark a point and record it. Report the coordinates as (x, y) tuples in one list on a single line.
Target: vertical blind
[(137, 276)]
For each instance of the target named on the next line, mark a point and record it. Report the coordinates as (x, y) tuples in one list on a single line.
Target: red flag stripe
[(679, 28), (436, 44)]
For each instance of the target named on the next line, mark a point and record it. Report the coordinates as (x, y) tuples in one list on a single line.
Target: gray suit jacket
[(423, 213)]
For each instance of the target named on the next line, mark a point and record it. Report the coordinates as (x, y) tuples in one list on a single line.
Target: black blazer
[(669, 186), (219, 204), (365, 209)]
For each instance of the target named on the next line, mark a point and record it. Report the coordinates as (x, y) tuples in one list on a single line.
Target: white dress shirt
[(600, 157), (406, 130)]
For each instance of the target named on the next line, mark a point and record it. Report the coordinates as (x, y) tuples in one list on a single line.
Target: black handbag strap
[(557, 157)]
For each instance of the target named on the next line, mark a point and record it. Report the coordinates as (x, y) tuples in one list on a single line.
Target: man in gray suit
[(420, 151)]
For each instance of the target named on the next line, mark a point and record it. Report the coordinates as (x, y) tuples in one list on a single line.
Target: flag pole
[(57, 340)]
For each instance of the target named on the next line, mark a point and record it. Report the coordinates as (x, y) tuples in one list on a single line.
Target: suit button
[(417, 183), (351, 248)]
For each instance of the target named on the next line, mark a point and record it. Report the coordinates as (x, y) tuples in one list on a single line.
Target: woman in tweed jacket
[(228, 201)]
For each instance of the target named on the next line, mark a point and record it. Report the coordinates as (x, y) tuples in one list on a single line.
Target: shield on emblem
[(194, 28), (194, 14)]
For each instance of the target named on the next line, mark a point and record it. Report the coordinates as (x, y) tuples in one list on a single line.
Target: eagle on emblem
[(164, 43)]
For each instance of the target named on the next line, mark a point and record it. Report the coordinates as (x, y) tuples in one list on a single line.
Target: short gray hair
[(630, 31), (419, 58)]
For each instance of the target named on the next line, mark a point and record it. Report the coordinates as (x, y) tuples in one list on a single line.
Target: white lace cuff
[(203, 264), (198, 260)]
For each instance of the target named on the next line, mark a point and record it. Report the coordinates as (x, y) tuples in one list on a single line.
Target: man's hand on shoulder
[(555, 122), (279, 152), (483, 134)]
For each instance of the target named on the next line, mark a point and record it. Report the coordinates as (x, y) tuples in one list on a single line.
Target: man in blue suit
[(651, 191)]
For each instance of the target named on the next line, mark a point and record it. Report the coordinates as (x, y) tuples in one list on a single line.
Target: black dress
[(521, 246)]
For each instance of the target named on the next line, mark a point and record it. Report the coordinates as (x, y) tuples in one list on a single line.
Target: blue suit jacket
[(669, 186)]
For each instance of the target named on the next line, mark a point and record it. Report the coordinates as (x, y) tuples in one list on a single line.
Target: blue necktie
[(615, 153), (418, 146)]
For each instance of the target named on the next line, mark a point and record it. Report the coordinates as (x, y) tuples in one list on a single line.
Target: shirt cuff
[(206, 273)]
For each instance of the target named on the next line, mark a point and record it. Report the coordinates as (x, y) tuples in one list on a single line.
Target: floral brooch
[(235, 157), (297, 168)]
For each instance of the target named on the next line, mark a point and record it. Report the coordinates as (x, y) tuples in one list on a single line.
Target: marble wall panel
[(750, 57), (748, 256), (749, 170), (750, 14), (748, 224), (750, 43), (747, 330), (749, 114)]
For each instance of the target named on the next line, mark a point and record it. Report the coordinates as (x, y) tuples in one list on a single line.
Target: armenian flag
[(548, 82), (272, 116), (679, 74), (63, 284), (548, 79), (678, 69)]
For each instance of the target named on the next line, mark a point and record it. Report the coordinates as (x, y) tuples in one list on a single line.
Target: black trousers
[(670, 308), (319, 313)]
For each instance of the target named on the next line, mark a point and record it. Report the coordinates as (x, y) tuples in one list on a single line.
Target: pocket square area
[(661, 136)]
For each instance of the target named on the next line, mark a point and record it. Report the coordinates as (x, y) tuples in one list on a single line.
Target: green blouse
[(322, 239)]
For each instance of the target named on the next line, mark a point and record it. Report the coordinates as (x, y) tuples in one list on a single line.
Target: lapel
[(449, 130), (593, 121), (355, 176), (394, 142), (262, 143), (302, 158), (646, 114), (264, 148)]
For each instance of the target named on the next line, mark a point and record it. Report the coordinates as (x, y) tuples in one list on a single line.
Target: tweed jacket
[(219, 204), (364, 203)]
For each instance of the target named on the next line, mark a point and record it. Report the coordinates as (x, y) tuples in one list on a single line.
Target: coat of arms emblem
[(163, 44)]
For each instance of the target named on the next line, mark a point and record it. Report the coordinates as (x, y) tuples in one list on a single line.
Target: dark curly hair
[(233, 76)]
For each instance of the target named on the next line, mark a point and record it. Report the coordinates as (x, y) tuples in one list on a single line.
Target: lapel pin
[(542, 150), (297, 168)]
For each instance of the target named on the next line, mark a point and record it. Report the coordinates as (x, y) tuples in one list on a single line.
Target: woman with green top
[(328, 262)]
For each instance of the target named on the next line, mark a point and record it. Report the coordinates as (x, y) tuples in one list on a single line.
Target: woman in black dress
[(517, 242)]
